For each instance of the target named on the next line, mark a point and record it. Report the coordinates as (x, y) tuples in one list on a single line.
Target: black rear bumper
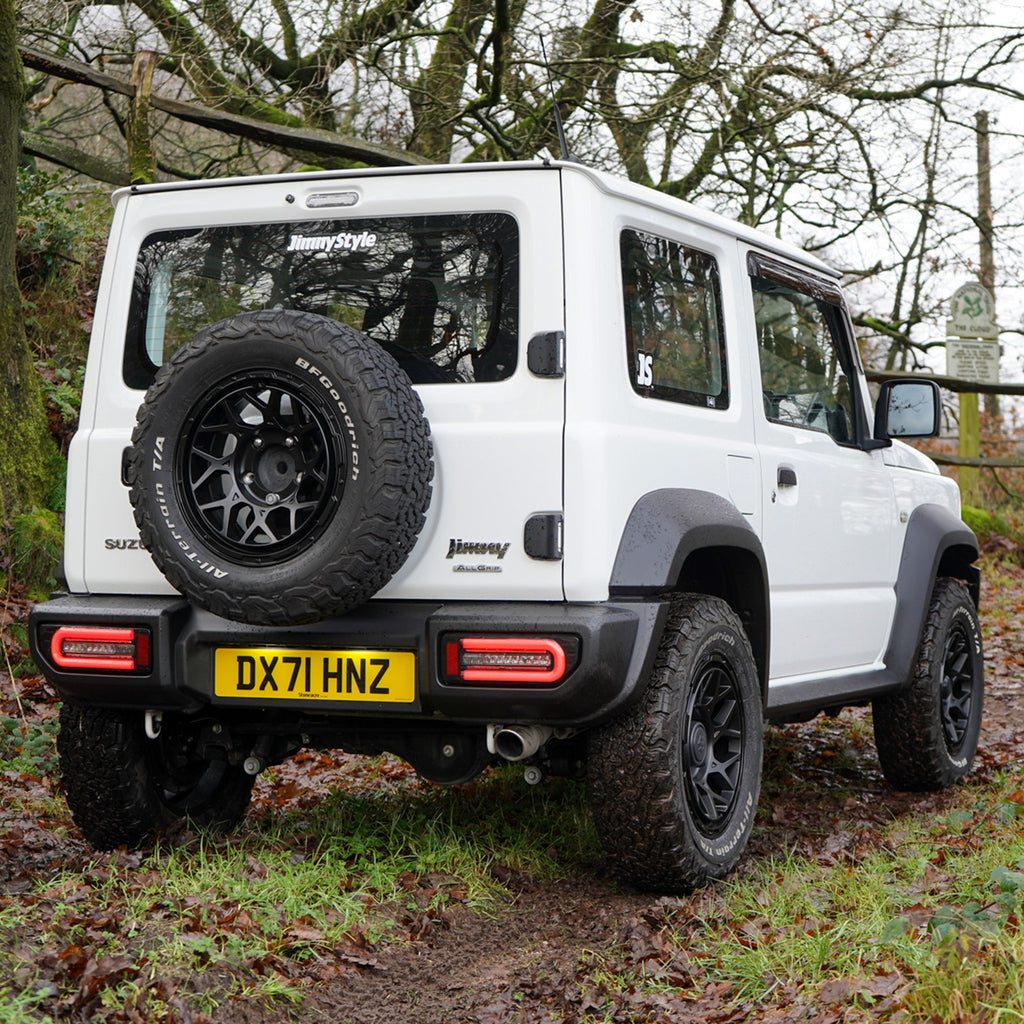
[(617, 643)]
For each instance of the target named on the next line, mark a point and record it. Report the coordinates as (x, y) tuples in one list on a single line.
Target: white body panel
[(611, 461), (500, 441)]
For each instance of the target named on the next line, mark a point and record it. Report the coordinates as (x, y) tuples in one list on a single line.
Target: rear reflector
[(506, 660), (103, 648)]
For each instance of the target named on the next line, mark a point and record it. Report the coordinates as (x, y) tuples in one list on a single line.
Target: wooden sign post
[(972, 353)]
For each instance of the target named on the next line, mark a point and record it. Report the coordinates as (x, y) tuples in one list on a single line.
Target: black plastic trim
[(617, 644), (542, 536), (679, 539), (163, 617), (545, 354), (665, 527)]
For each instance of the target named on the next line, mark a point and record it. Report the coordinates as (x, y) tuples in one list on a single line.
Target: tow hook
[(154, 720)]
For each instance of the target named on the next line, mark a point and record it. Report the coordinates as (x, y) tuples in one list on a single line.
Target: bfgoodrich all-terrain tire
[(122, 785), (281, 468), (927, 733), (675, 781)]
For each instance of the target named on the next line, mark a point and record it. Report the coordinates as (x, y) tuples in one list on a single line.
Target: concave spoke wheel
[(257, 469), (674, 779), (713, 747), (280, 468), (957, 689)]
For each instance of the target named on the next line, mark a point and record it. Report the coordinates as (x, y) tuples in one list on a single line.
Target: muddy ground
[(547, 956)]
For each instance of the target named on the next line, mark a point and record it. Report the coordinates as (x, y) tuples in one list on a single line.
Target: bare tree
[(835, 121), (24, 438)]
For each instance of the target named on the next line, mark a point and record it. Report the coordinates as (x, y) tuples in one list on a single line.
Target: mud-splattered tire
[(927, 733), (122, 786), (281, 467), (674, 782)]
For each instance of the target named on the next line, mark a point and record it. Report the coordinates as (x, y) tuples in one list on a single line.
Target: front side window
[(674, 337), (439, 293), (804, 379)]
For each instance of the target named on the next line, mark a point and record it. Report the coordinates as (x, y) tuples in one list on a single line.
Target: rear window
[(439, 293)]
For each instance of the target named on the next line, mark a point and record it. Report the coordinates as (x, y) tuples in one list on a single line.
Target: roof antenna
[(559, 127)]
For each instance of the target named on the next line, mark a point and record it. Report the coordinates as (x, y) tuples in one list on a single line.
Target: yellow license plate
[(286, 674)]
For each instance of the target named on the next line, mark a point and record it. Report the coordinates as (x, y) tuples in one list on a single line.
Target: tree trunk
[(24, 437), (141, 159)]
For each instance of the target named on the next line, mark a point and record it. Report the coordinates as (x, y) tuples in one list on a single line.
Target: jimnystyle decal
[(343, 240)]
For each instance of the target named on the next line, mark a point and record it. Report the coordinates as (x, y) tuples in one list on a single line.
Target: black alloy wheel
[(258, 468), (956, 692), (675, 778), (713, 747), (926, 733), (280, 468)]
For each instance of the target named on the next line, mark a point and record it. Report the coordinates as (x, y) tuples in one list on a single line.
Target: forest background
[(852, 128)]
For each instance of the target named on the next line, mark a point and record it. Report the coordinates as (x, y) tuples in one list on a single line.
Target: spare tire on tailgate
[(280, 469)]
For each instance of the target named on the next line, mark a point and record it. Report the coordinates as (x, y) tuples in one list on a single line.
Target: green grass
[(21, 1007), (259, 908), (933, 905)]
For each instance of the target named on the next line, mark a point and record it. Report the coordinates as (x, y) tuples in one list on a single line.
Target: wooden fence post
[(970, 447)]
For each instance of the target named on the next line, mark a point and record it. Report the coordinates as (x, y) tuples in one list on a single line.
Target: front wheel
[(675, 781), (122, 786), (927, 733)]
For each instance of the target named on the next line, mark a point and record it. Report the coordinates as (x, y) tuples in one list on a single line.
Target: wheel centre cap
[(275, 469), (698, 743)]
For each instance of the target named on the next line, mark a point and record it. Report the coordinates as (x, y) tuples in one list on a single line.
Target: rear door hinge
[(545, 354), (542, 536)]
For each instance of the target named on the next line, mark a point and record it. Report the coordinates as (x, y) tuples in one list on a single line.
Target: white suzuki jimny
[(476, 463)]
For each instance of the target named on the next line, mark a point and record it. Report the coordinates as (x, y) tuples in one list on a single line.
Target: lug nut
[(257, 442)]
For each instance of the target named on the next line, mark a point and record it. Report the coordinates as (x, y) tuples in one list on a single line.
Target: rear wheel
[(927, 733), (675, 781), (122, 786)]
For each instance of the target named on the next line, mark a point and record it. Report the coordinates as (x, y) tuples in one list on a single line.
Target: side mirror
[(908, 408)]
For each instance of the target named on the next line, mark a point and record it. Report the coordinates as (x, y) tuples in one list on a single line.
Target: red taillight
[(105, 648), (508, 660)]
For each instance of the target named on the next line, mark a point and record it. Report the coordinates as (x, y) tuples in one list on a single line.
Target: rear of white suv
[(490, 462)]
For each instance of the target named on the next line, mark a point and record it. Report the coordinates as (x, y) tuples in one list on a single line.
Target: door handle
[(787, 476)]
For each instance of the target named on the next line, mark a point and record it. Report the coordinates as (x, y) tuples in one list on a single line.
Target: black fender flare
[(937, 543), (668, 531)]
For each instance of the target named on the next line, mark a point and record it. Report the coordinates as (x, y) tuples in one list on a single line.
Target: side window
[(804, 373), (674, 337)]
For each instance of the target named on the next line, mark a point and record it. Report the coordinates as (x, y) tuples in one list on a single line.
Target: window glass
[(439, 293), (803, 377), (674, 336)]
